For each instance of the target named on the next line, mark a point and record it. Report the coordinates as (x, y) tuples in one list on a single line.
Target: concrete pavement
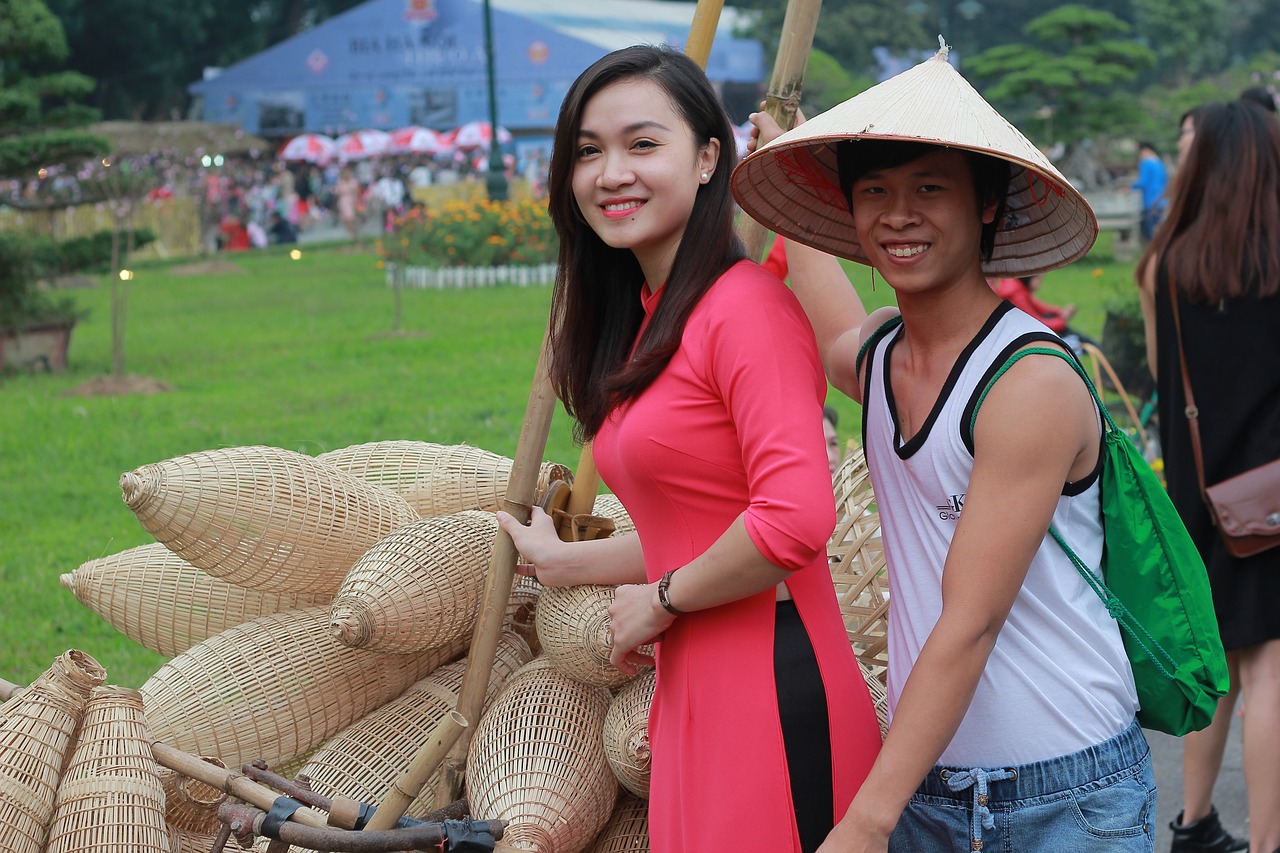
[(1228, 796)]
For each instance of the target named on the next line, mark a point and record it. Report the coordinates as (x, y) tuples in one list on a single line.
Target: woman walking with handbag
[(1210, 289)]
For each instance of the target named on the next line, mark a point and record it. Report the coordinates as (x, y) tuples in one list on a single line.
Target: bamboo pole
[(798, 27), (706, 17), (411, 782)]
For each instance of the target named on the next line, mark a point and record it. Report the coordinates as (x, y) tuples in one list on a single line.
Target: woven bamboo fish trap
[(626, 733), (368, 756), (37, 727), (627, 830), (856, 556), (522, 609), (419, 587), (608, 506), (537, 761), (574, 631), (190, 804), (274, 688), (263, 517), (159, 600), (436, 479), (111, 796)]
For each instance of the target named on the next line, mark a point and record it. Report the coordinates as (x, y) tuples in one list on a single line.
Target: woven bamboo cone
[(418, 588), (574, 632), (263, 517), (37, 727), (436, 479), (537, 761), (159, 600), (111, 796), (626, 734), (366, 758), (274, 688), (627, 830)]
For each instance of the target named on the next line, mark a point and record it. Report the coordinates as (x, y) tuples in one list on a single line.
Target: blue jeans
[(1102, 798)]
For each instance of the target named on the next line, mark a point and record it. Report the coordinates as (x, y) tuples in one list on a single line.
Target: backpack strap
[(1054, 351)]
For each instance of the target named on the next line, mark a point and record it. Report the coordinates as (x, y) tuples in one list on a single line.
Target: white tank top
[(1058, 679)]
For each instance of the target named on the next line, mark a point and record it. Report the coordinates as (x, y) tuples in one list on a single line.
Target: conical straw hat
[(792, 185)]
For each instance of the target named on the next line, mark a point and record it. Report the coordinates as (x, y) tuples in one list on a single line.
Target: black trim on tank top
[(908, 449)]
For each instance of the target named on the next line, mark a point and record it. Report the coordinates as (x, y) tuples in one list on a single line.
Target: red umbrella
[(478, 134), (309, 148), (361, 144), (416, 140)]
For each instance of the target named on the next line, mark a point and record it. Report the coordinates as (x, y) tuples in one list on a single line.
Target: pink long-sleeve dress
[(732, 426)]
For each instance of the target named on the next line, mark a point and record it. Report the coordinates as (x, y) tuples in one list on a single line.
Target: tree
[(40, 122), (39, 130), (1189, 37), (1076, 78), (144, 53)]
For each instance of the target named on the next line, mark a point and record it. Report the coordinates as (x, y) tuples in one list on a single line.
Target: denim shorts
[(1099, 800)]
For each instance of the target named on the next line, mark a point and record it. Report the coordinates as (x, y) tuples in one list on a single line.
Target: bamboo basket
[(436, 479), (608, 506), (192, 805), (628, 828), (856, 556), (159, 600), (368, 756), (263, 517), (37, 727), (274, 688), (522, 610), (418, 588), (537, 761), (626, 734), (574, 631), (111, 796)]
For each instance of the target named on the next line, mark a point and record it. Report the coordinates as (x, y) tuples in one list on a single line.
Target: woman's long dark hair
[(1221, 236), (595, 310)]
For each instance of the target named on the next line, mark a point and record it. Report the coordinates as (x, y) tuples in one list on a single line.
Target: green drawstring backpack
[(1153, 582)]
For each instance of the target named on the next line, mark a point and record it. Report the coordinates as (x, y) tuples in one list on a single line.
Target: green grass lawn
[(295, 354)]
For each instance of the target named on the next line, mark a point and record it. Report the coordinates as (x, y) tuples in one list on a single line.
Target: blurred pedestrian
[(1218, 255)]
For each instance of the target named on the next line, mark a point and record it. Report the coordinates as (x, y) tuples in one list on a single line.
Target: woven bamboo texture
[(856, 555), (111, 796), (628, 828), (190, 804), (626, 734), (186, 841), (522, 609), (37, 727), (274, 688), (419, 587), (365, 758), (159, 600), (608, 506), (574, 631), (436, 479), (263, 517), (537, 761)]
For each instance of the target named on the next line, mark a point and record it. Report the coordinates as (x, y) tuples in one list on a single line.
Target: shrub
[(472, 232)]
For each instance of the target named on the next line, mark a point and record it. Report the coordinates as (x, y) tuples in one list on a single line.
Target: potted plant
[(35, 323)]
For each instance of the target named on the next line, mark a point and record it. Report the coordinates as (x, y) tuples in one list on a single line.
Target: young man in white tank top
[(1012, 701)]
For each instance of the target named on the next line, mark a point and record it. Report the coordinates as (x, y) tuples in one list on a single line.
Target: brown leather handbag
[(1246, 507)]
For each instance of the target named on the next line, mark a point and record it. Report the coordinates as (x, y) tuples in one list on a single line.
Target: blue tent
[(392, 63)]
